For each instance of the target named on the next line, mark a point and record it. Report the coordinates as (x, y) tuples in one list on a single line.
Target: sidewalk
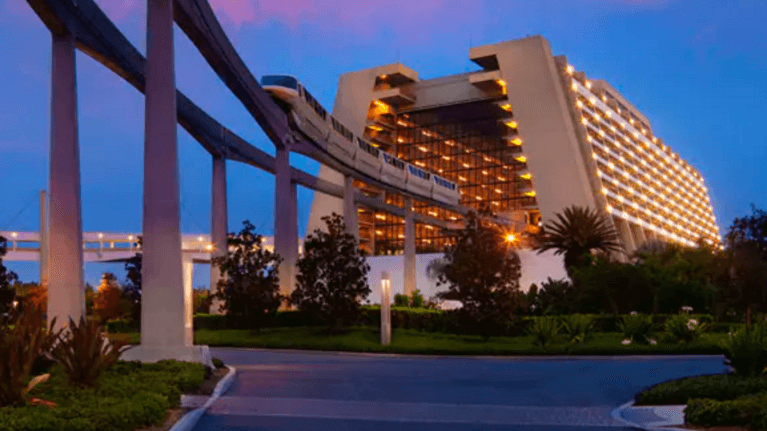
[(651, 417)]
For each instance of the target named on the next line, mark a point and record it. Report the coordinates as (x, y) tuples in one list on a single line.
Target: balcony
[(488, 81), (394, 96), (384, 138), (386, 120)]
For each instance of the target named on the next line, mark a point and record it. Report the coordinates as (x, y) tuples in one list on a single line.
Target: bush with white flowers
[(683, 329)]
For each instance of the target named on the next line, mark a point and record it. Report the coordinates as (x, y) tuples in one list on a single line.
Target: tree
[(482, 271), (576, 233), (747, 262), (332, 276), (7, 279), (108, 303), (201, 300), (33, 294), (678, 276), (605, 285), (249, 288), (555, 297), (132, 286)]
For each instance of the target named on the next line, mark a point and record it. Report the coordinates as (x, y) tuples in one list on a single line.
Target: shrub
[(747, 411), (332, 276), (23, 339), (108, 302), (401, 300), (544, 330), (717, 387), (131, 396), (636, 327), (417, 300), (218, 363), (578, 327), (684, 329), (84, 352), (249, 286), (746, 350)]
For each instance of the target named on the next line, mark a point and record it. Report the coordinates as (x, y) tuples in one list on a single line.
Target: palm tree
[(577, 232)]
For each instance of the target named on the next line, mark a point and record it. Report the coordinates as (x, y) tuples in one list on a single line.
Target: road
[(281, 390)]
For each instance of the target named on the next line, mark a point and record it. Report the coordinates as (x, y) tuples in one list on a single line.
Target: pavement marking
[(414, 412)]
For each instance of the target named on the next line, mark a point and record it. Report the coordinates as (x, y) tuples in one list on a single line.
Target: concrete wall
[(535, 269), (539, 104)]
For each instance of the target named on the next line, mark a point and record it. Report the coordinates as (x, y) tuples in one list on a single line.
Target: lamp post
[(385, 309)]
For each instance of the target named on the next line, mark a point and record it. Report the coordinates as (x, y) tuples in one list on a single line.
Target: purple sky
[(696, 68)]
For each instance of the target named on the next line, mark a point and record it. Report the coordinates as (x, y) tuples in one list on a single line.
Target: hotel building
[(526, 135)]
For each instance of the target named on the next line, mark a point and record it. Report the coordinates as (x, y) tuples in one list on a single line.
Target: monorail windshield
[(281, 80), (393, 161)]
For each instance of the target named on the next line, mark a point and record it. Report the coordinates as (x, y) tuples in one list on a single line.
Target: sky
[(696, 68)]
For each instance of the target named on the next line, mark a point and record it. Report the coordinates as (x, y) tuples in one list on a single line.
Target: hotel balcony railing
[(386, 120)]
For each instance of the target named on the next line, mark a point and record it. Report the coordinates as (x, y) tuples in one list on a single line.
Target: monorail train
[(333, 137)]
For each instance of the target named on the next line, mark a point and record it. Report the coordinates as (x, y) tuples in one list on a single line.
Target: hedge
[(716, 387), (748, 411), (129, 396), (428, 320)]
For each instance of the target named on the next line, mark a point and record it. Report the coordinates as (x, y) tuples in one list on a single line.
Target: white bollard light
[(385, 309)]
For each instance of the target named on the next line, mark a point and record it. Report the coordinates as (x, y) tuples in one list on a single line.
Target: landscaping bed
[(367, 339), (129, 396)]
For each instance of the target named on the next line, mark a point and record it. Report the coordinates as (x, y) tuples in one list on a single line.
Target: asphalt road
[(318, 391)]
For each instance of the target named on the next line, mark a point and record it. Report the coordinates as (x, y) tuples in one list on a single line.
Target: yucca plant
[(578, 327), (23, 338), (683, 329), (746, 350), (544, 330), (84, 352), (636, 328)]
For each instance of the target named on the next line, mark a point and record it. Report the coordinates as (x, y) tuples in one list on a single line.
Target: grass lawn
[(367, 339)]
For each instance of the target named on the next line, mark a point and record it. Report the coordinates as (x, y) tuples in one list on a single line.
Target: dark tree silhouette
[(482, 271), (332, 276), (249, 290), (7, 279)]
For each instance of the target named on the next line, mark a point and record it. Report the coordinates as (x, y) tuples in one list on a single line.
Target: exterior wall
[(548, 133), (535, 269)]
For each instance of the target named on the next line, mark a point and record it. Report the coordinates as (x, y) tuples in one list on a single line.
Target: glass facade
[(473, 144)]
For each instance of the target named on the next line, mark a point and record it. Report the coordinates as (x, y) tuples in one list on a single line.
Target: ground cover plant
[(130, 396)]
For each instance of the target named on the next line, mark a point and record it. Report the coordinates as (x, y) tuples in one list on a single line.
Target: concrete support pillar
[(409, 258), (285, 221), (218, 225), (164, 316), (625, 234), (637, 235), (44, 240), (188, 270), (66, 296), (350, 209)]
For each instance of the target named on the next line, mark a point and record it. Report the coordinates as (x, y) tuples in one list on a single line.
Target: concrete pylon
[(626, 236), (66, 296), (350, 209), (285, 220), (637, 235), (409, 272), (218, 225), (165, 331)]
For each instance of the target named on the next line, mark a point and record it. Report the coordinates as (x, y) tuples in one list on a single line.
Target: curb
[(189, 420), (462, 356), (670, 414)]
